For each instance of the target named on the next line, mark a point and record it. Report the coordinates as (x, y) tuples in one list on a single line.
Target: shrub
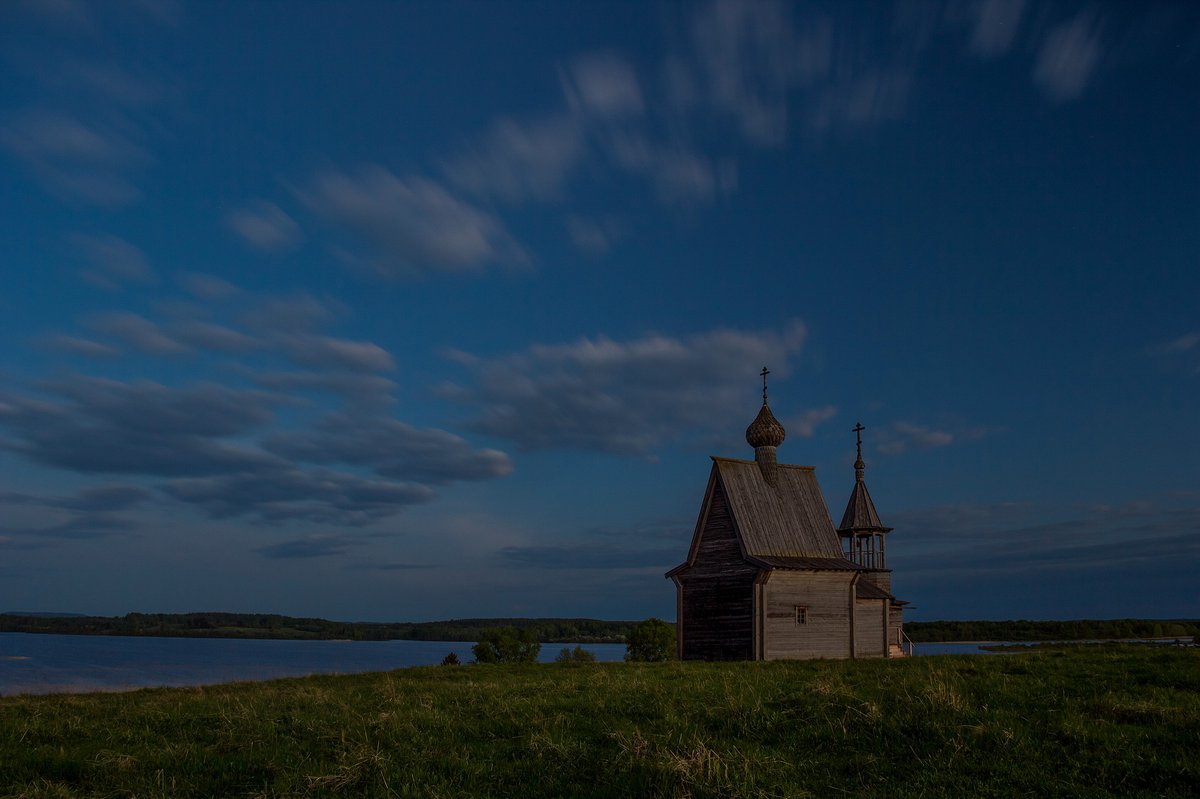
[(450, 660), (652, 640), (506, 645), (576, 655)]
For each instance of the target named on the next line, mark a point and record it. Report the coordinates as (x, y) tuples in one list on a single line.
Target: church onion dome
[(765, 430)]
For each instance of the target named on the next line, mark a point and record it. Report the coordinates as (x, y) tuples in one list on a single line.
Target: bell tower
[(864, 538)]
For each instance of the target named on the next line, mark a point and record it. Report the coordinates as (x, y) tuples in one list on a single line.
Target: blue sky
[(416, 310)]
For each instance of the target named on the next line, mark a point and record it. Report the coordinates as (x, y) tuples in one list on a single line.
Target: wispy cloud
[(625, 397), (515, 160), (602, 85), (1014, 538), (80, 160), (411, 226), (1068, 57), (113, 261), (994, 25), (265, 226), (313, 546)]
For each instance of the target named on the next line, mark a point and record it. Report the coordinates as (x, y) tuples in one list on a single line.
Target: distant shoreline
[(268, 626)]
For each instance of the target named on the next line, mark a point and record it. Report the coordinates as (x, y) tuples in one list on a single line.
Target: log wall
[(716, 596)]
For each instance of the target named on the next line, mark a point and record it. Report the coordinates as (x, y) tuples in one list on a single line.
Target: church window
[(802, 614)]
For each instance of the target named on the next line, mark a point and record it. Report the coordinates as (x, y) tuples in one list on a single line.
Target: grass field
[(1112, 720)]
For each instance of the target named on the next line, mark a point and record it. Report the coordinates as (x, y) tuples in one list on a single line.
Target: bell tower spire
[(863, 534)]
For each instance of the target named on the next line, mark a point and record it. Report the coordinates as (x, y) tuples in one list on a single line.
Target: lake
[(39, 664)]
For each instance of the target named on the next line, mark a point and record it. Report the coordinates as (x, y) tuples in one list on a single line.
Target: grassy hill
[(1084, 721)]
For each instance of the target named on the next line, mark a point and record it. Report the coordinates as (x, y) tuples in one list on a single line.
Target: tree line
[(1073, 630), (269, 625)]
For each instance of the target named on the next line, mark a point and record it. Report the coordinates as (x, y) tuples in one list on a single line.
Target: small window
[(802, 614)]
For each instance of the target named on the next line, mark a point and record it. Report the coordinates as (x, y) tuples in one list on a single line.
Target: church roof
[(810, 564), (865, 589), (860, 510), (785, 520)]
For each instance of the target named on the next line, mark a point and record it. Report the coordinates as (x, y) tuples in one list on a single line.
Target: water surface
[(43, 663)]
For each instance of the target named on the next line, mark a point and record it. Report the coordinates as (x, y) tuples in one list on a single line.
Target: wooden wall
[(883, 579), (868, 628), (895, 623), (826, 595), (716, 600)]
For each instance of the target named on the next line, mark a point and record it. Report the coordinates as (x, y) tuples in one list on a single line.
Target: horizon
[(410, 310)]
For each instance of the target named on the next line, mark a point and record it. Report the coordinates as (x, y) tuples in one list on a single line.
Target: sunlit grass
[(1097, 721)]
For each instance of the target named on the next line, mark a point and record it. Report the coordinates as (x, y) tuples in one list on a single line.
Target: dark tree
[(506, 645), (651, 641)]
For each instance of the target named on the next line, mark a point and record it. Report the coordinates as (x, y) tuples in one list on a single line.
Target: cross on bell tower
[(859, 467)]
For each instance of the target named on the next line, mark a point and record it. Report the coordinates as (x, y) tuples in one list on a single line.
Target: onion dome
[(765, 430)]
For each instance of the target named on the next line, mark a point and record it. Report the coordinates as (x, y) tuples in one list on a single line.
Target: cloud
[(393, 566), (590, 556), (680, 177), (89, 500), (806, 424), (74, 159), (114, 261), (207, 287), (592, 236), (213, 337), (903, 436), (1068, 57), (622, 397), (337, 353), (412, 226), (1181, 353), (90, 512), (874, 96), (355, 387), (100, 426), (1019, 538), (138, 332), (1185, 343), (751, 55), (282, 493), (313, 546), (299, 312), (391, 448), (265, 226), (73, 345), (994, 25), (82, 526), (602, 85), (516, 161)]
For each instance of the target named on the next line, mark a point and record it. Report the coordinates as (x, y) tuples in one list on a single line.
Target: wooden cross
[(858, 428), (764, 374)]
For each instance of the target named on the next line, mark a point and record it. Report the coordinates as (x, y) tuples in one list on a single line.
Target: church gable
[(788, 519), (715, 612)]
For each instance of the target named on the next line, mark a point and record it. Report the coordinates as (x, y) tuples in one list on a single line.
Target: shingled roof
[(785, 520), (860, 510)]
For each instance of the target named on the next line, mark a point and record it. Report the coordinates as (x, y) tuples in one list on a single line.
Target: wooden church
[(767, 578)]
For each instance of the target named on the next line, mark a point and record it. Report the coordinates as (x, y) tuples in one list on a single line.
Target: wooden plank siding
[(869, 628), (895, 625), (827, 598), (716, 593)]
